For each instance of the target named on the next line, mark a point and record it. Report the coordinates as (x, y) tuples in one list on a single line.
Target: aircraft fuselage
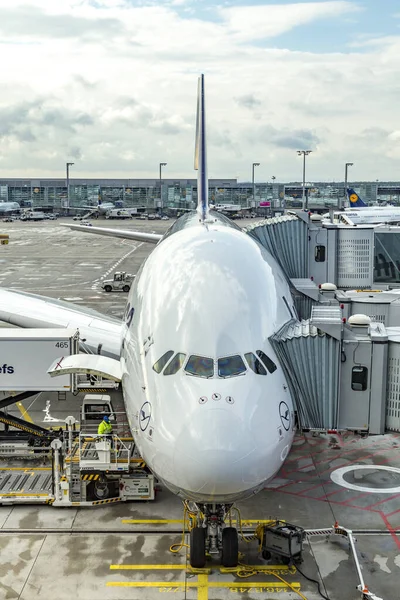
[(211, 430)]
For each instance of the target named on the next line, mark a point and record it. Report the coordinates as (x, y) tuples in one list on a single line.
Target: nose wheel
[(198, 548), (210, 536), (230, 547)]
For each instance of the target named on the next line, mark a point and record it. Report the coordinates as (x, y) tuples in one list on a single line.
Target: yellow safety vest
[(104, 428)]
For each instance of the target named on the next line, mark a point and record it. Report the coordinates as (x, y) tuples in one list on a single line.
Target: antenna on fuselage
[(200, 154)]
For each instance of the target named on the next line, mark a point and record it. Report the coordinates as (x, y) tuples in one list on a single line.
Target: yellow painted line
[(24, 412), (202, 587), (149, 567), (151, 521), (253, 584), (24, 495), (213, 584), (25, 470)]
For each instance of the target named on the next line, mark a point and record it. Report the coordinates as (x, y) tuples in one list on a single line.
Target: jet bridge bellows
[(337, 371), (286, 238), (310, 358)]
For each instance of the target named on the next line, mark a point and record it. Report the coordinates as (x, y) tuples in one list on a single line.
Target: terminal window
[(359, 379)]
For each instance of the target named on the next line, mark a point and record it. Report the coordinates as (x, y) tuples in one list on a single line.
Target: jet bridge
[(336, 371)]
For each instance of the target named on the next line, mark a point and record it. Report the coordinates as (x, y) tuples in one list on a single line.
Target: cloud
[(250, 23), (111, 84), (248, 101), (33, 23), (284, 138)]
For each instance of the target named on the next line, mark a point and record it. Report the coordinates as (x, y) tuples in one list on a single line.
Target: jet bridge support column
[(56, 445)]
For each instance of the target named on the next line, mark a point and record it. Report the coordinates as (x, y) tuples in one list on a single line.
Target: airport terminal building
[(58, 194), (149, 193)]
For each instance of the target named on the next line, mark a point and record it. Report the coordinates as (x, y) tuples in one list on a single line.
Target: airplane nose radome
[(210, 452)]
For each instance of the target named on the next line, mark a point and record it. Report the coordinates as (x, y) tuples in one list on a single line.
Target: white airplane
[(207, 401), (359, 213), (7, 207)]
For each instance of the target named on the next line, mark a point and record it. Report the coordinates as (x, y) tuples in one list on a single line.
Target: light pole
[(252, 181), (346, 166), (68, 165), (161, 198), (304, 153)]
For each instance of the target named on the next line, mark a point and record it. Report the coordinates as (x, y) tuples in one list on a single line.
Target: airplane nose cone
[(211, 454)]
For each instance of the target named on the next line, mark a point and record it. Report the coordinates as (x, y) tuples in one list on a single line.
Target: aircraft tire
[(126, 288), (107, 288), (230, 547), (198, 548)]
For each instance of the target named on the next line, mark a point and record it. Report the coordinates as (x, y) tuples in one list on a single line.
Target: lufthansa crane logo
[(144, 416), (353, 198), (284, 414)]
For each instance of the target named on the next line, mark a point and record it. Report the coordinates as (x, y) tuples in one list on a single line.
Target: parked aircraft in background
[(206, 398), (359, 213), (9, 207)]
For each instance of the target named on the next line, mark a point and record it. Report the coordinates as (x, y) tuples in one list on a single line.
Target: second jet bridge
[(337, 372)]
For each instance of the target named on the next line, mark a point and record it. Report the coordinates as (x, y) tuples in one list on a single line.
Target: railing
[(118, 419), (103, 452)]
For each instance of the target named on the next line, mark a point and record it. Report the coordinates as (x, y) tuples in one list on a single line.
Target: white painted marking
[(382, 562), (337, 477)]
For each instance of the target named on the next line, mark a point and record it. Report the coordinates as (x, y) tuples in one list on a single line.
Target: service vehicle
[(118, 213), (120, 283)]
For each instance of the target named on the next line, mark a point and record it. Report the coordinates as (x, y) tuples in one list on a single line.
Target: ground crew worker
[(105, 428)]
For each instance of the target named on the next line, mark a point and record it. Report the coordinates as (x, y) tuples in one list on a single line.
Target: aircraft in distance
[(207, 400), (8, 207), (359, 213), (101, 208)]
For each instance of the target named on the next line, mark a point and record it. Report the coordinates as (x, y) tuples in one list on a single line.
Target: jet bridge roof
[(286, 238)]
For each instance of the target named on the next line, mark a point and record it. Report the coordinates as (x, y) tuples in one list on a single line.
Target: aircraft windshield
[(200, 366), (160, 364), (175, 364), (254, 364), (230, 366), (271, 366)]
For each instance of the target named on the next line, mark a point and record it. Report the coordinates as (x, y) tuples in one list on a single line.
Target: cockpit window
[(175, 364), (230, 366), (160, 364), (200, 366), (271, 366), (254, 364)]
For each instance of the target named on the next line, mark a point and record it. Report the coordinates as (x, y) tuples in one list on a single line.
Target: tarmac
[(122, 551)]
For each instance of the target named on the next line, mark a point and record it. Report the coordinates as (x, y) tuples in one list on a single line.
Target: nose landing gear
[(211, 536)]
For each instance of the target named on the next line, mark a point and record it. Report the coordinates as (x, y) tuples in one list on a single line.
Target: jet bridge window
[(359, 379), (254, 364), (271, 366), (200, 366), (175, 364), (231, 366), (319, 253), (160, 364)]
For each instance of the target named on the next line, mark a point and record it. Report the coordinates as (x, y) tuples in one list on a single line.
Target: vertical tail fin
[(354, 199), (200, 155)]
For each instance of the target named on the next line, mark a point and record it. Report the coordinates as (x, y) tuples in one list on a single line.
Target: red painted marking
[(384, 500), (58, 365), (355, 498), (391, 530), (392, 513)]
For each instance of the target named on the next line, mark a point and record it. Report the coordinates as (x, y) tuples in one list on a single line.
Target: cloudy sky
[(111, 86)]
